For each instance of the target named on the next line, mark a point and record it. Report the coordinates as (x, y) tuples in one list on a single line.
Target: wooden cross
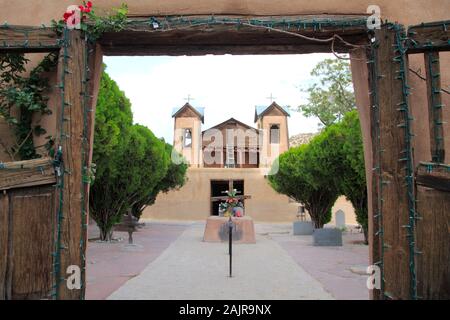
[(271, 98), (224, 198), (189, 98)]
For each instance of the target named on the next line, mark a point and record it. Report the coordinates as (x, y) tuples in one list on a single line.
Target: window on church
[(187, 137), (275, 134)]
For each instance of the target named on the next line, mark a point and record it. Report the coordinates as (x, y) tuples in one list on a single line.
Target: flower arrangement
[(232, 207)]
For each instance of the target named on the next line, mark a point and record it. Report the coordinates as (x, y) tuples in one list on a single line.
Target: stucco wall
[(192, 202), (271, 151), (192, 154), (404, 11)]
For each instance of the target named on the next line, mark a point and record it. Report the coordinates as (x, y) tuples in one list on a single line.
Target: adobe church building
[(231, 155)]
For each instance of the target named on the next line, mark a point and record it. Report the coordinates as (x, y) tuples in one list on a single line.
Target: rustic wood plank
[(33, 220), (433, 176), (27, 173), (375, 236), (197, 50), (429, 36), (433, 243), (435, 107), (394, 201), (435, 182), (139, 38), (71, 227), (95, 63), (4, 235), (23, 39)]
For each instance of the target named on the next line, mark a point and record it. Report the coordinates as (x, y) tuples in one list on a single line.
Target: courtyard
[(170, 261)]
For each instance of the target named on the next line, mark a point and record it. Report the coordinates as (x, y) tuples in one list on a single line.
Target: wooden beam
[(375, 237), (429, 37), (225, 198), (434, 176), (437, 136), (27, 174), (152, 50), (390, 201), (25, 39), (91, 88), (139, 38), (70, 129)]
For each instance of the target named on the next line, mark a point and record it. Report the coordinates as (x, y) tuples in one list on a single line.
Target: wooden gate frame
[(77, 64), (396, 212), (393, 211)]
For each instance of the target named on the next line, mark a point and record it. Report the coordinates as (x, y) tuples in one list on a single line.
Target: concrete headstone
[(340, 219)]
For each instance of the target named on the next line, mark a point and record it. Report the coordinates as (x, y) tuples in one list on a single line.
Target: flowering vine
[(70, 16), (83, 17)]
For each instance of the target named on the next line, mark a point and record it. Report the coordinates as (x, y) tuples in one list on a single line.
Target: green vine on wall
[(24, 97), (21, 98)]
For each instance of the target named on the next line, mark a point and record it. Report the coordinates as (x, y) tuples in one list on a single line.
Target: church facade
[(230, 155)]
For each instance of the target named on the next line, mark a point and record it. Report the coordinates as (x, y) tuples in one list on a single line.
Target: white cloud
[(227, 86)]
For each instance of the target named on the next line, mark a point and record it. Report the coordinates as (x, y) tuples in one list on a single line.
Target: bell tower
[(187, 133), (273, 125)]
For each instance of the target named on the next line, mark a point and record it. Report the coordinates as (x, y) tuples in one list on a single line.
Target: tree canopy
[(132, 164), (174, 178), (331, 95), (350, 174), (303, 174), (332, 164)]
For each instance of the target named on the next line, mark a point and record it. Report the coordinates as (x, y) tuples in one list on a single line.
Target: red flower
[(67, 15), (87, 7)]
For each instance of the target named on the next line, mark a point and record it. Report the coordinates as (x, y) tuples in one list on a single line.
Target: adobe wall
[(271, 151), (192, 154), (404, 11), (192, 201)]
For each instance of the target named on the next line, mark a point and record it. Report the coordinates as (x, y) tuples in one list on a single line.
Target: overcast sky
[(226, 86)]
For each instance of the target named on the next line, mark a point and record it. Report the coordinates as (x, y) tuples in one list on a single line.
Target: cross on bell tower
[(271, 98), (189, 98)]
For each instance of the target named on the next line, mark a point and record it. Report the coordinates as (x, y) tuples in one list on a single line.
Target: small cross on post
[(271, 98), (189, 98)]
